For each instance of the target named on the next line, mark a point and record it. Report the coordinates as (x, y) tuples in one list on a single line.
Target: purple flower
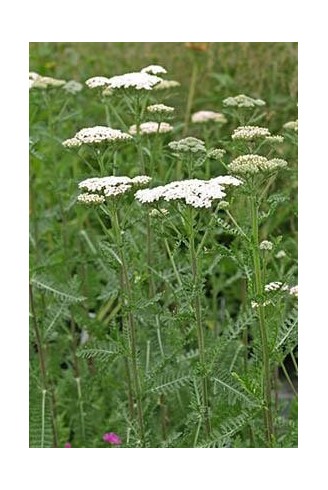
[(68, 444), (112, 438)]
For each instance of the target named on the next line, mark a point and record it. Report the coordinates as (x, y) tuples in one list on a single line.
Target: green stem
[(262, 326), (131, 325), (176, 272), (43, 370), (198, 314), (80, 402), (43, 410)]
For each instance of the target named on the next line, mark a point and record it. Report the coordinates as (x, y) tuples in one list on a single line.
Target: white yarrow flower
[(72, 143), (90, 199), (72, 87), (153, 69), (243, 101), (275, 139), (197, 193), (167, 84), (293, 125), (293, 291), (250, 133), (253, 164), (134, 80), (151, 127), (45, 82), (96, 82), (281, 254), (205, 116), (160, 108), (97, 134), (266, 245), (113, 185)]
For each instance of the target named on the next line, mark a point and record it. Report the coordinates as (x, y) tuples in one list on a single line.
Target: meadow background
[(62, 256)]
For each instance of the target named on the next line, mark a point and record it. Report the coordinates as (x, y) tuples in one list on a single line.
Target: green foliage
[(130, 317)]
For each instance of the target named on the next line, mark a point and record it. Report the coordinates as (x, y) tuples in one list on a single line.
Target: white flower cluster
[(293, 125), (266, 245), (111, 186), (275, 138), (96, 135), (216, 153), (252, 164), (72, 87), (197, 193), (135, 80), (243, 101), (153, 69), (293, 291), (188, 145), (72, 143), (167, 84), (90, 199), (250, 133), (151, 127), (205, 116), (96, 82), (38, 81), (160, 108), (281, 254)]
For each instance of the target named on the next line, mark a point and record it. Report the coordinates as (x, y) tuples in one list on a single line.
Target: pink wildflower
[(112, 438), (68, 444)]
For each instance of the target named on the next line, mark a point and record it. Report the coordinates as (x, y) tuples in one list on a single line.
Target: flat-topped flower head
[(33, 75), (160, 109), (97, 135), (253, 164), (206, 116), (250, 133), (188, 145), (151, 127), (293, 125), (90, 199), (216, 153), (45, 82), (243, 101), (266, 245), (111, 186), (72, 87), (96, 82), (134, 80), (153, 69), (72, 143), (194, 192), (274, 138), (166, 85)]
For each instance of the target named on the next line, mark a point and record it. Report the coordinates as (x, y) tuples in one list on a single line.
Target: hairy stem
[(131, 325), (198, 314), (43, 370)]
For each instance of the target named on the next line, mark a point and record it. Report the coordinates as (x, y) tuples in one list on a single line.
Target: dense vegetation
[(170, 323)]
